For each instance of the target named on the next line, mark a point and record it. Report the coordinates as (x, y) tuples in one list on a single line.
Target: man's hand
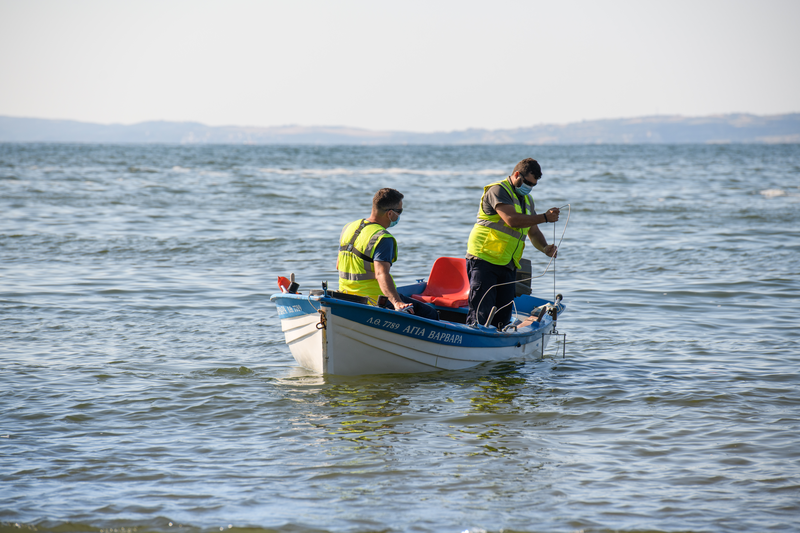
[(386, 284), (550, 250), (552, 214), (404, 307)]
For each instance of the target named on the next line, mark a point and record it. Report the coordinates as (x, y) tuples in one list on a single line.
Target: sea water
[(145, 383)]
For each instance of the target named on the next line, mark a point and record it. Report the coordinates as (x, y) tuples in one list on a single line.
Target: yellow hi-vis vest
[(357, 246), (493, 240)]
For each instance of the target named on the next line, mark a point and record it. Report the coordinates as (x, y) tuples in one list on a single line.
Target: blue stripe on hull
[(430, 330), (445, 333)]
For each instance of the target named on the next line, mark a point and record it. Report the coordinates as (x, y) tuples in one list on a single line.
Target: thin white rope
[(308, 298), (566, 223)]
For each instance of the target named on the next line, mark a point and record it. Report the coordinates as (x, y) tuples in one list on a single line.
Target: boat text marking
[(417, 331), (286, 309), (387, 324)]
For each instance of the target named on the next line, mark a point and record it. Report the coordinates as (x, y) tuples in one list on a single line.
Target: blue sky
[(404, 65)]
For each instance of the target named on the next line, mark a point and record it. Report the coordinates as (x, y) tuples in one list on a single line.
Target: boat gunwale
[(477, 330)]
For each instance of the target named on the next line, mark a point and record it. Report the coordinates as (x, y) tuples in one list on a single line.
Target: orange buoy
[(283, 284)]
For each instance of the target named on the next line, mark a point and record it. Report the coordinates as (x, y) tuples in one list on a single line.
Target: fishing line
[(552, 259)]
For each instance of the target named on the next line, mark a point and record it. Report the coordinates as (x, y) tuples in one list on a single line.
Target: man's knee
[(421, 309), (426, 311)]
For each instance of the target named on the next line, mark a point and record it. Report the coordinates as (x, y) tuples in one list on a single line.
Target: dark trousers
[(421, 309), (483, 276)]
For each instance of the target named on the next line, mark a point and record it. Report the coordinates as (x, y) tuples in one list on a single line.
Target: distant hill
[(734, 128)]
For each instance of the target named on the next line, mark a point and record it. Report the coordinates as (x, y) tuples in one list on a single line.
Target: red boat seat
[(448, 284)]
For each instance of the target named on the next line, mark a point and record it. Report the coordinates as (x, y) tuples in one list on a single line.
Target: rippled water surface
[(146, 385)]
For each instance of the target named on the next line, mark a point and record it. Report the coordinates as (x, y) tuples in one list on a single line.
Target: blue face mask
[(524, 188), (394, 222)]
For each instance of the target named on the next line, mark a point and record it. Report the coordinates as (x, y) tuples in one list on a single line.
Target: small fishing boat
[(335, 333)]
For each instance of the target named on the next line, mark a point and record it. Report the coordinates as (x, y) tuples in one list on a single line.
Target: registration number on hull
[(416, 331)]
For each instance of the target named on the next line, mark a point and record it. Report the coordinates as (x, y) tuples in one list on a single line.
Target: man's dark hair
[(386, 198), (529, 166)]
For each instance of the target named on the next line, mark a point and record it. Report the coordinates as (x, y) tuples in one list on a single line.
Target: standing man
[(505, 216), (366, 254)]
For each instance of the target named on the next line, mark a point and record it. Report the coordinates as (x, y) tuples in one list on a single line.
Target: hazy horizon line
[(348, 127)]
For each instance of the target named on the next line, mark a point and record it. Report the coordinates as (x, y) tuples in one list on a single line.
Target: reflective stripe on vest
[(494, 241), (357, 245)]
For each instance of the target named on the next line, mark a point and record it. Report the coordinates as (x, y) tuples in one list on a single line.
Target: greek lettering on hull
[(417, 331)]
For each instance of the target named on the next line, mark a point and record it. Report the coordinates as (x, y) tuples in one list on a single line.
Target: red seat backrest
[(448, 284)]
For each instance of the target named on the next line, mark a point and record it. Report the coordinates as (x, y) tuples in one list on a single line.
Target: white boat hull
[(343, 338), (360, 349)]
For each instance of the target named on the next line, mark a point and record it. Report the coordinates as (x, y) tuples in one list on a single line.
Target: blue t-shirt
[(385, 250)]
